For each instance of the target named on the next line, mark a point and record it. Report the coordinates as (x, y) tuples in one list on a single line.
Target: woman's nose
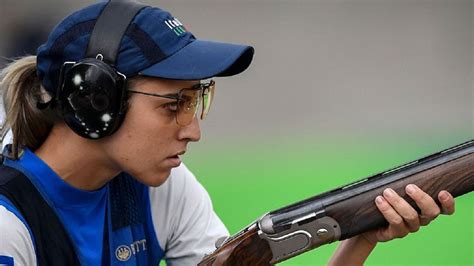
[(191, 132)]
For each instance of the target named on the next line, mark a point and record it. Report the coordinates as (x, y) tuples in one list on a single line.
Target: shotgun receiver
[(343, 212)]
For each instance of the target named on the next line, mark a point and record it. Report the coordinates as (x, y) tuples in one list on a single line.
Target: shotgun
[(342, 212)]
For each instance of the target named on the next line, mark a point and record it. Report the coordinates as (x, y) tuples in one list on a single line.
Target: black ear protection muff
[(92, 94)]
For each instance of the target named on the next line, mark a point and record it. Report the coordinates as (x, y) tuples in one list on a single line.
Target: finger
[(429, 208), (405, 210), (397, 227), (424, 220), (447, 202)]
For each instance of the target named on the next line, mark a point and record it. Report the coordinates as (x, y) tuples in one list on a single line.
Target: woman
[(99, 120)]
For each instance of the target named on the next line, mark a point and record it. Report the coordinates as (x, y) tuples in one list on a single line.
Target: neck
[(79, 162)]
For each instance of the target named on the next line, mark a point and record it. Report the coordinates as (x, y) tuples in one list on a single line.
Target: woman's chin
[(155, 179)]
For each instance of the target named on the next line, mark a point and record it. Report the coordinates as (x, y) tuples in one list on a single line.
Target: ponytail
[(22, 90)]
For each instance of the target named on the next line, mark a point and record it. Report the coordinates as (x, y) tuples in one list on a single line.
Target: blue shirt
[(84, 215)]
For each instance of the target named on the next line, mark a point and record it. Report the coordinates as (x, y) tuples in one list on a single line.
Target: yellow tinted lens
[(187, 106)]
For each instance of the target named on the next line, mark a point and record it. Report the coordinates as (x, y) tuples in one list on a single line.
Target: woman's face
[(148, 142)]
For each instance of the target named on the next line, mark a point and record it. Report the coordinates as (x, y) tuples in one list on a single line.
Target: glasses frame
[(206, 88)]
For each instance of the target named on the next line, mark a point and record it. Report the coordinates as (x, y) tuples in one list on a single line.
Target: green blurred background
[(338, 90), (249, 179)]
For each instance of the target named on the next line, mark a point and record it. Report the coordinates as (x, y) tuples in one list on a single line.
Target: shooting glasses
[(188, 101)]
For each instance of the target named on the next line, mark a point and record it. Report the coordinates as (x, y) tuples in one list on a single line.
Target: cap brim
[(201, 60)]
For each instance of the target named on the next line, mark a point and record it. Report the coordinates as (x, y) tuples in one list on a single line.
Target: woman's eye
[(173, 106)]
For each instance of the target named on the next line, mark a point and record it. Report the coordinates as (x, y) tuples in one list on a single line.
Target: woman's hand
[(402, 219)]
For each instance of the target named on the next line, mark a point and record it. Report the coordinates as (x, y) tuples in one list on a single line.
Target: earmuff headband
[(110, 29)]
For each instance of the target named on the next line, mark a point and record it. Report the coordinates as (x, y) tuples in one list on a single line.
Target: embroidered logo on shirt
[(123, 253)]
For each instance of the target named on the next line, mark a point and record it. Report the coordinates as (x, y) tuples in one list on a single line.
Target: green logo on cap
[(176, 26)]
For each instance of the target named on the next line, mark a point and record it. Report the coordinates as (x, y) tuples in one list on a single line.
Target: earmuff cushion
[(93, 98)]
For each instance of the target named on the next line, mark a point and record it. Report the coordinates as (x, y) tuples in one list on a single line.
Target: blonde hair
[(22, 90)]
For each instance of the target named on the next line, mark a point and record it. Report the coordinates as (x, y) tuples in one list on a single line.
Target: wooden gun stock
[(343, 212)]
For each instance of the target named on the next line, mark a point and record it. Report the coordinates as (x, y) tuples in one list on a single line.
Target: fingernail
[(379, 199), (389, 192), (444, 196), (410, 189)]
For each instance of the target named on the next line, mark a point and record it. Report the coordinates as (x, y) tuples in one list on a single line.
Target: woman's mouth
[(174, 160)]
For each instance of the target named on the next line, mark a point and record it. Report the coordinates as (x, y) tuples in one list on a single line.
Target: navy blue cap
[(155, 44)]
